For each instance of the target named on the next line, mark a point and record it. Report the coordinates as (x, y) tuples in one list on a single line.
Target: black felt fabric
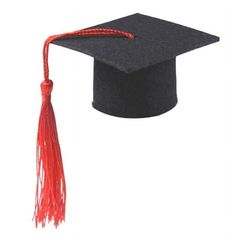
[(147, 92), (156, 41), (136, 77)]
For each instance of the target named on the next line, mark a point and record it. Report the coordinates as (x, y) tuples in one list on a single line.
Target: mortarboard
[(134, 77)]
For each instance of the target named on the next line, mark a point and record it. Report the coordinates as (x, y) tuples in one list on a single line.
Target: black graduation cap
[(134, 76), (137, 78)]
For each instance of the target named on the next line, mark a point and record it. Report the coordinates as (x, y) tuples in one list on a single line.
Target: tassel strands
[(51, 186)]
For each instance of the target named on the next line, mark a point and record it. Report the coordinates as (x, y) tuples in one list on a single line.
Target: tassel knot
[(46, 87)]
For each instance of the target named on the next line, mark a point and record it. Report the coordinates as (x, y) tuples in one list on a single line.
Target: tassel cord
[(50, 199)]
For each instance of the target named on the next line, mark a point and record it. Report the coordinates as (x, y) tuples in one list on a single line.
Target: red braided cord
[(85, 32)]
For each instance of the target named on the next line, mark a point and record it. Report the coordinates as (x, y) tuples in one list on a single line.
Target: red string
[(86, 32), (50, 197)]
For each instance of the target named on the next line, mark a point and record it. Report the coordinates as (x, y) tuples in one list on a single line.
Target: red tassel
[(51, 187)]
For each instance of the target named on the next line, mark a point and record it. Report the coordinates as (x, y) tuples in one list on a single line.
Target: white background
[(174, 174)]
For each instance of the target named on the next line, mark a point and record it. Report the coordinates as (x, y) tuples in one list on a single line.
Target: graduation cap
[(134, 77)]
